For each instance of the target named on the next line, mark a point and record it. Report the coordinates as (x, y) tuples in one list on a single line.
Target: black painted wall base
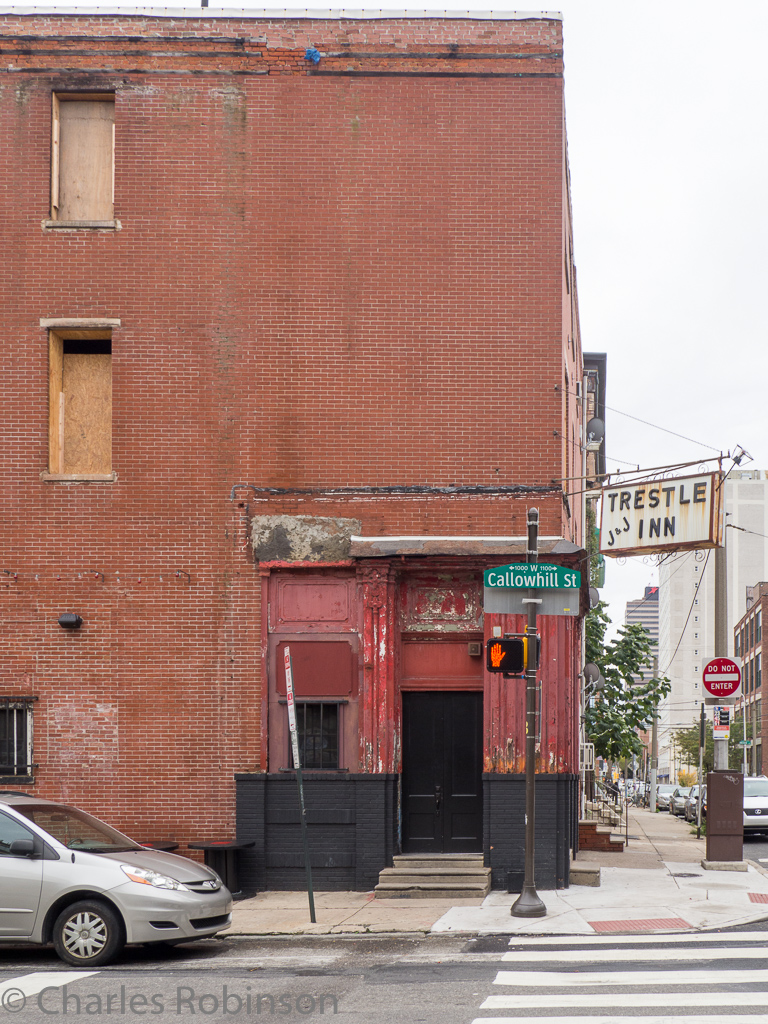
[(353, 829), (557, 829)]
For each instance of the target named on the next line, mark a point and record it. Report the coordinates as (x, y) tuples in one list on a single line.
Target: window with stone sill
[(79, 400), (82, 160)]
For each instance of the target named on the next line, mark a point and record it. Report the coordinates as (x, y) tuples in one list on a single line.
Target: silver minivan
[(70, 879)]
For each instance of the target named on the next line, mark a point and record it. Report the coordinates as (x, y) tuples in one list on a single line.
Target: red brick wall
[(343, 274)]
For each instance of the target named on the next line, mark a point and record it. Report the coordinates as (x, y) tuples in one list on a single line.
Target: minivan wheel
[(88, 934)]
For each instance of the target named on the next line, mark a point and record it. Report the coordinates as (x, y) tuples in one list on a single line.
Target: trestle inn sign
[(662, 515)]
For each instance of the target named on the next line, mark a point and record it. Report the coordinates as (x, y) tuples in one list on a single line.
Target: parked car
[(70, 879), (756, 804), (663, 793), (677, 799), (691, 811)]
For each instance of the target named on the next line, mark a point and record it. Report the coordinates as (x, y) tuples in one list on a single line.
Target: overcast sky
[(668, 131), (667, 117)]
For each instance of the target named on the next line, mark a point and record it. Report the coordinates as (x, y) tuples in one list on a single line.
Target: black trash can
[(221, 856)]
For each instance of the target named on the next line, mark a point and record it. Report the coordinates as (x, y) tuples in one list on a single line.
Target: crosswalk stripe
[(634, 955), (612, 941), (552, 979), (611, 1018), (31, 984), (581, 1000)]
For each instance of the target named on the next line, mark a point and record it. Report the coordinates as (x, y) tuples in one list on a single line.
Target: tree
[(627, 702)]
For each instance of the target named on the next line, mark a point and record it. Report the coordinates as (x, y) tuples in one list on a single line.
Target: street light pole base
[(528, 904)]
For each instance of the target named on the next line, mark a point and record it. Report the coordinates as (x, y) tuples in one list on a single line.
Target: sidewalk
[(657, 884)]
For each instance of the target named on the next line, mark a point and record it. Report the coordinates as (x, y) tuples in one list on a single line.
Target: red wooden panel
[(319, 669), (440, 666), (320, 601)]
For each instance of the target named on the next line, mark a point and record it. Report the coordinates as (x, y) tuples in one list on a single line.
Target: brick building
[(291, 347), (749, 645)]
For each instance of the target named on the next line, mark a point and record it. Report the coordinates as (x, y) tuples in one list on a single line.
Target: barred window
[(16, 738), (318, 728)]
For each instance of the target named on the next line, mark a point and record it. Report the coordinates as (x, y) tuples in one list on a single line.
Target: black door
[(442, 772)]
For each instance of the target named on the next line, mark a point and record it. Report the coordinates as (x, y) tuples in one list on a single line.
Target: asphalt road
[(418, 980), (756, 848)]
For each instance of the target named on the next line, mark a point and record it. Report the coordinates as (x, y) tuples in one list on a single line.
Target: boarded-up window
[(80, 404), (82, 164)]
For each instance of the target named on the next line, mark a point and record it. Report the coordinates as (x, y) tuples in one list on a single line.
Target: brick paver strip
[(644, 925), (758, 897)]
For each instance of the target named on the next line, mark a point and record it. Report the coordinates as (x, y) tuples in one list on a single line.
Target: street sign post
[(532, 588), (722, 680), (299, 782)]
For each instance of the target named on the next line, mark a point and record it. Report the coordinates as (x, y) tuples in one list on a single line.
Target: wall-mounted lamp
[(70, 620), (595, 434)]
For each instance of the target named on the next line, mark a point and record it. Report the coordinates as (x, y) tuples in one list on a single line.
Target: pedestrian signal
[(508, 655)]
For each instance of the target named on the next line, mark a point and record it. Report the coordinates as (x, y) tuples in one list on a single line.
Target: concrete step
[(425, 890), (450, 876), (410, 860), (441, 876), (585, 874)]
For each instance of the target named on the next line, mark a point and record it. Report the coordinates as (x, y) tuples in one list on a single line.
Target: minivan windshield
[(755, 787), (76, 829)]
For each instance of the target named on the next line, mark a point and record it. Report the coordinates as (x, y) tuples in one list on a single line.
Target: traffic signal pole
[(528, 903)]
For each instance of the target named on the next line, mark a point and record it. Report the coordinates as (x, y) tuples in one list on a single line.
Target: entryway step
[(412, 860), (595, 837), (430, 892), (447, 876), (443, 876)]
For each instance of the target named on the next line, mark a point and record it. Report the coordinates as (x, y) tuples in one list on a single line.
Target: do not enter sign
[(722, 677)]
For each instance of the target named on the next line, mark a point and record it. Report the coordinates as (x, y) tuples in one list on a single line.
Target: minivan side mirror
[(22, 848)]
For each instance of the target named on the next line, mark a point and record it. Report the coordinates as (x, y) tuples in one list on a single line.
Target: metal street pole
[(721, 642), (702, 740), (753, 737), (528, 903), (743, 734), (725, 836), (654, 747)]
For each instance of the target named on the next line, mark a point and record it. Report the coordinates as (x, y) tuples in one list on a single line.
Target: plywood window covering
[(83, 157), (80, 438)]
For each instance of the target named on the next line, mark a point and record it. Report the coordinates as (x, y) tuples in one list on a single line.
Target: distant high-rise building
[(645, 612)]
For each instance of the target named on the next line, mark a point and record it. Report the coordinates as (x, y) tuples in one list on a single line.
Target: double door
[(442, 772)]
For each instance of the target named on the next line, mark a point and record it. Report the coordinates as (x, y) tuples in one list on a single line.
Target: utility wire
[(663, 429), (647, 423)]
